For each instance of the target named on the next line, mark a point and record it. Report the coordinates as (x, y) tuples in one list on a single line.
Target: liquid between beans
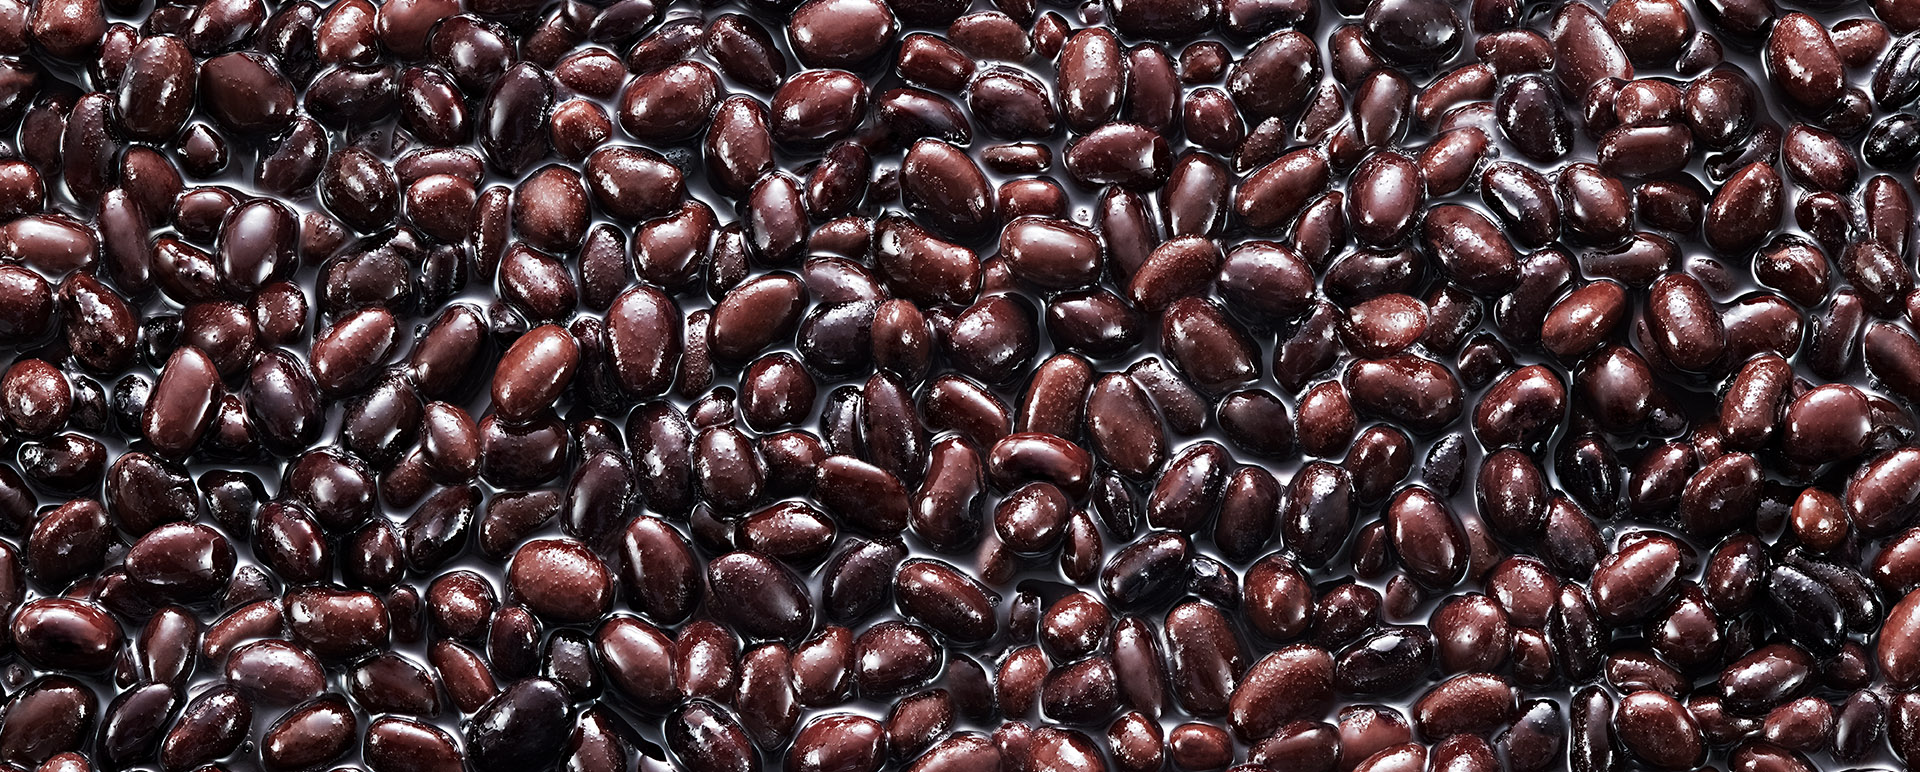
[(847, 385)]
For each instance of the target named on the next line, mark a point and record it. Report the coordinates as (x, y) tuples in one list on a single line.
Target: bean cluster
[(953, 386)]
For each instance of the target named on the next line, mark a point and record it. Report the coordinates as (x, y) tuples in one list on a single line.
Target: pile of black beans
[(959, 385)]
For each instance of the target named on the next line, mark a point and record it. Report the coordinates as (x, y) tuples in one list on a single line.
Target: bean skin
[(1107, 372)]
